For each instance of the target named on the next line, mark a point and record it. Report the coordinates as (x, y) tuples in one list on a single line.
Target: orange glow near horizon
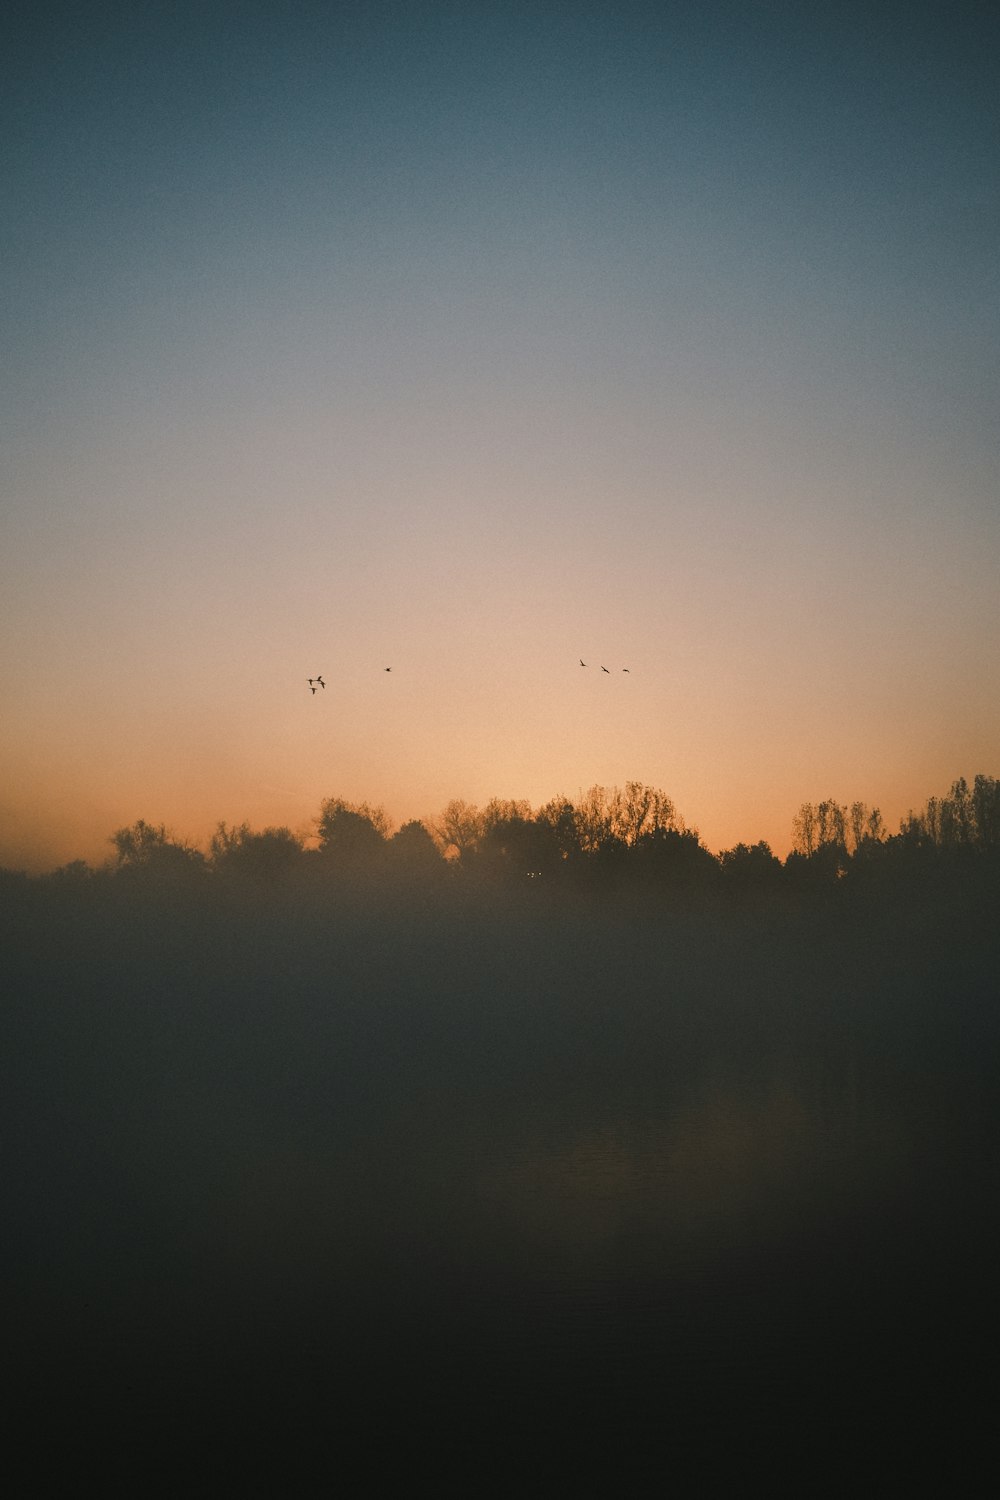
[(474, 353), (367, 740), (154, 673)]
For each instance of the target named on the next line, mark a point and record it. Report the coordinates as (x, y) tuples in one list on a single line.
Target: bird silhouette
[(582, 662), (313, 691), (321, 682), (625, 669), (388, 669), (605, 669)]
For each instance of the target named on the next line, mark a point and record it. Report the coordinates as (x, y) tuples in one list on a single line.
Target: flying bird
[(582, 662), (313, 691), (625, 669), (605, 669), (388, 669), (321, 682)]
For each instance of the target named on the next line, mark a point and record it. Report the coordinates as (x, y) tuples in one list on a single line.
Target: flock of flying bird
[(317, 681)]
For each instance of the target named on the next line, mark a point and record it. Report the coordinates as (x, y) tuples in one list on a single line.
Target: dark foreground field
[(391, 1191)]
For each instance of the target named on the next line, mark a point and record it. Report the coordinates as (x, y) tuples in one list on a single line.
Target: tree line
[(610, 835)]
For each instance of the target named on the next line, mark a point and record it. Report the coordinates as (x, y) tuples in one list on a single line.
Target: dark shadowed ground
[(489, 1190)]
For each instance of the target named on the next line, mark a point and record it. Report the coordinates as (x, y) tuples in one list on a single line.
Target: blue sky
[(477, 340)]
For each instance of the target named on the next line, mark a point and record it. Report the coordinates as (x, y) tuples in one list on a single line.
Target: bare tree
[(957, 817), (149, 846), (986, 811), (642, 811), (875, 826), (459, 829), (831, 823), (610, 815), (804, 829)]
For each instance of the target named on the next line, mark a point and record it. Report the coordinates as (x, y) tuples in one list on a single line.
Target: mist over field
[(445, 1169)]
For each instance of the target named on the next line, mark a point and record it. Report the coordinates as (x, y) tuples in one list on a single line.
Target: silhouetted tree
[(643, 812), (804, 830), (612, 837), (875, 829), (608, 816), (137, 844), (516, 843), (675, 857), (76, 873), (149, 848), (558, 818), (504, 810), (831, 824), (351, 832), (957, 820), (919, 830), (864, 824), (751, 867), (458, 830), (265, 856), (986, 811), (413, 851), (964, 818), (819, 835), (593, 820)]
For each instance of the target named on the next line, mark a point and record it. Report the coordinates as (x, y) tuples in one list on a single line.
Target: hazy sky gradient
[(473, 340)]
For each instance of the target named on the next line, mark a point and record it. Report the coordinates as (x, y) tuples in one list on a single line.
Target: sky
[(474, 341)]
